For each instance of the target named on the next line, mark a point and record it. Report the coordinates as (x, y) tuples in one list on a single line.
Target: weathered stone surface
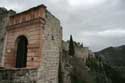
[(4, 20), (3, 24), (51, 50), (18, 76)]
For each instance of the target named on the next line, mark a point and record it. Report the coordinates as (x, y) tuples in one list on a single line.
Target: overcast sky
[(96, 23)]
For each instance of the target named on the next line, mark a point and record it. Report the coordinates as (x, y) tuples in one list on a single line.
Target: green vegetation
[(103, 72), (113, 74), (96, 70)]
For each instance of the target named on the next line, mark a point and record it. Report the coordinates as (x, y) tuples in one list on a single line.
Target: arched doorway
[(21, 54)]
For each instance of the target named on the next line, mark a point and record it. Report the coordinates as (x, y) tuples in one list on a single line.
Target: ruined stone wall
[(3, 24)]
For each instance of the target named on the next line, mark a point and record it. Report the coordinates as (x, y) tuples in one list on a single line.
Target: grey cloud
[(19, 5), (103, 39), (108, 15)]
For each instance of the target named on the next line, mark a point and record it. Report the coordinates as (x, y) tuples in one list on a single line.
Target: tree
[(71, 47)]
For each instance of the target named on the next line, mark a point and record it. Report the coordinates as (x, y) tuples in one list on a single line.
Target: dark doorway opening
[(21, 55)]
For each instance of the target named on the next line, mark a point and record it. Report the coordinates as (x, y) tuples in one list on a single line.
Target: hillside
[(115, 57)]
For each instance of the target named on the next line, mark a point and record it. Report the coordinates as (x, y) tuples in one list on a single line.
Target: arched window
[(21, 54)]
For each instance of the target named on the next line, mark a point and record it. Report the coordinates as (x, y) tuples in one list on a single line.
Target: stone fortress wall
[(50, 39)]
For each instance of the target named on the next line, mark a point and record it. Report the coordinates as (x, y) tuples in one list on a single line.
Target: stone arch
[(21, 51)]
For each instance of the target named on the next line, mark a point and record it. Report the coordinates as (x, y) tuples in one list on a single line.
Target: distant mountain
[(115, 57)]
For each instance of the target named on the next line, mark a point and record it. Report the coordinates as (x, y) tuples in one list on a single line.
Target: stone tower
[(32, 47)]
